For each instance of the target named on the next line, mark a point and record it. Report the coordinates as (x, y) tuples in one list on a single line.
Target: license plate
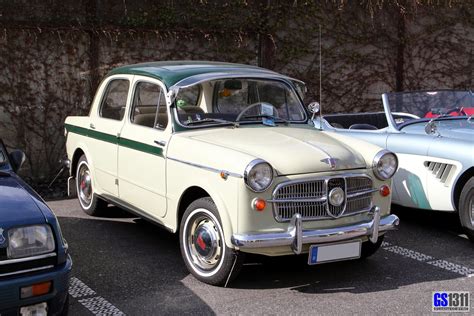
[(36, 310), (334, 252)]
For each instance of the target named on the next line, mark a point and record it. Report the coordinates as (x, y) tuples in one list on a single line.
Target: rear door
[(143, 142), (104, 129)]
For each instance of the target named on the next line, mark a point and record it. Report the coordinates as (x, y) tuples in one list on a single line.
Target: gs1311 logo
[(450, 301)]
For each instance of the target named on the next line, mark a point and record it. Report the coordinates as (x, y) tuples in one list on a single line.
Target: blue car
[(34, 260)]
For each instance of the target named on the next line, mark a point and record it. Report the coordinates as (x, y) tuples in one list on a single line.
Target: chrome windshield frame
[(202, 78), (388, 112)]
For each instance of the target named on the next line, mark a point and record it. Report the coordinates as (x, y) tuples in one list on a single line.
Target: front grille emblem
[(336, 196)]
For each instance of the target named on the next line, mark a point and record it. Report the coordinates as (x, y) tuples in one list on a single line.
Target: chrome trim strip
[(26, 271), (134, 210), (321, 199), (11, 261), (361, 193), (236, 175), (294, 236)]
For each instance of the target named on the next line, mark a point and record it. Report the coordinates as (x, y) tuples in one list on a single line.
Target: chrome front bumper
[(295, 236)]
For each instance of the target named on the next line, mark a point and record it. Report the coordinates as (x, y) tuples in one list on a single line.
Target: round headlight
[(385, 164), (258, 175)]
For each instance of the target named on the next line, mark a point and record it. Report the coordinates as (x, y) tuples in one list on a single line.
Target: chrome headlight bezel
[(377, 166), (249, 171), (41, 233)]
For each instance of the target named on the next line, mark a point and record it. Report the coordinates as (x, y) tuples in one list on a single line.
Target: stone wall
[(52, 55)]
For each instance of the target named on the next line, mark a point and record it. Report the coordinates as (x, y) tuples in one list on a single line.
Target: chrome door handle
[(161, 143), (92, 126)]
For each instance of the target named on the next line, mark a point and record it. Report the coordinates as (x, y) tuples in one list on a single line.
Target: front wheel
[(203, 248), (466, 208)]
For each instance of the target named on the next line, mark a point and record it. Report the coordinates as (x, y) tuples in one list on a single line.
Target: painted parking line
[(415, 255), (96, 304)]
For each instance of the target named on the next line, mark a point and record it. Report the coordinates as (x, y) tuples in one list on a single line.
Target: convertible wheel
[(466, 209), (203, 248), (90, 203), (368, 248)]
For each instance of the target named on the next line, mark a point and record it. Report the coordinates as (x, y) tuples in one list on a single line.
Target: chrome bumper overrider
[(295, 236)]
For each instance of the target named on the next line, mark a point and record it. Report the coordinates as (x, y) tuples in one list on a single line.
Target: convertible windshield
[(432, 104), (232, 101)]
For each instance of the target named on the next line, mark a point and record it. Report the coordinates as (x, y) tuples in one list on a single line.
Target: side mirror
[(18, 158), (314, 108), (431, 128)]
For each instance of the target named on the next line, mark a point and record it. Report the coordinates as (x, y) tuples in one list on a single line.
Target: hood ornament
[(2, 238), (332, 162)]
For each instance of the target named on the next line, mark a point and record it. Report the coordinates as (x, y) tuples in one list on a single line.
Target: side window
[(115, 99), (149, 106)]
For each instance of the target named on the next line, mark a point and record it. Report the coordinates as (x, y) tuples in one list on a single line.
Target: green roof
[(171, 72)]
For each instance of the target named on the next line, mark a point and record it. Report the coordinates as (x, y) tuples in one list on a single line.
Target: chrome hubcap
[(204, 243), (84, 185)]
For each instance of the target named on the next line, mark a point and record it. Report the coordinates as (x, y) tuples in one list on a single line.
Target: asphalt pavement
[(125, 265)]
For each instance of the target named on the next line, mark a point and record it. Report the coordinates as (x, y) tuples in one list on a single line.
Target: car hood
[(463, 133), (290, 150), (17, 206), (460, 133)]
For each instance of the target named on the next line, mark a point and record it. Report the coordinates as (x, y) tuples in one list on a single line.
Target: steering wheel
[(241, 114)]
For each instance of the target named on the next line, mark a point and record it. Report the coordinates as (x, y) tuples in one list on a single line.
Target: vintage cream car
[(226, 155)]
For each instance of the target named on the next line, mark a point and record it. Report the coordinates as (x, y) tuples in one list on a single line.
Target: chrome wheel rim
[(84, 185), (203, 242)]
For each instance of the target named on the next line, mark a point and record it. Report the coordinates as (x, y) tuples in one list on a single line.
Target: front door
[(142, 149)]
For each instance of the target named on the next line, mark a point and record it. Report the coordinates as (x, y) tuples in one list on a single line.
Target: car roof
[(171, 72)]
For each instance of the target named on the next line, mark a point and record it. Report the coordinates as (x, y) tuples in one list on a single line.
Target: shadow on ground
[(137, 262)]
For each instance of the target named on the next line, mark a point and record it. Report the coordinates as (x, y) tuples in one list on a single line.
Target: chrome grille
[(309, 197)]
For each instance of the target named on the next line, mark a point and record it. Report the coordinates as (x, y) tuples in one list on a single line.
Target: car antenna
[(320, 82)]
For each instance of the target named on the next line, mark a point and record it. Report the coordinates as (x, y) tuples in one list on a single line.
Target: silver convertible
[(432, 133)]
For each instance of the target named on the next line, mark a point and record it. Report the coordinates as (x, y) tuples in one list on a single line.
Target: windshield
[(231, 101), (430, 104)]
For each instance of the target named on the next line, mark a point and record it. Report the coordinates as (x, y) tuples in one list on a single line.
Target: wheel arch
[(194, 192), (75, 159), (462, 180)]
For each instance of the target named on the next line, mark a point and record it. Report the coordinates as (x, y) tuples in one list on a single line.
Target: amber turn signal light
[(259, 204), (384, 190), (36, 289)]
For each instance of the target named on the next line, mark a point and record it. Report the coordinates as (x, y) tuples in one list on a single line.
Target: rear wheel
[(203, 247), (368, 248), (90, 203), (466, 208)]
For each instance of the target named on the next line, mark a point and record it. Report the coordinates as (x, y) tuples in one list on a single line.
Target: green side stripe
[(149, 149), (140, 146)]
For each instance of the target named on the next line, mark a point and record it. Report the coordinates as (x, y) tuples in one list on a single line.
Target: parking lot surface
[(125, 265)]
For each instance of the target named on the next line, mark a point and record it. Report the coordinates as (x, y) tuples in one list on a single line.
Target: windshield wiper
[(208, 120), (268, 116)]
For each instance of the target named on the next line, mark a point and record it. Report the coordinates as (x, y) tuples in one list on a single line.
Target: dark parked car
[(34, 260)]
